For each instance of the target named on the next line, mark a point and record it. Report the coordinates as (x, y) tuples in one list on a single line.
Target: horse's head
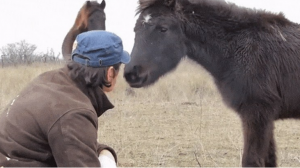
[(159, 43), (91, 16)]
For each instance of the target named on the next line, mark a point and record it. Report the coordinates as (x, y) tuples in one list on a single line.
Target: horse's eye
[(163, 29)]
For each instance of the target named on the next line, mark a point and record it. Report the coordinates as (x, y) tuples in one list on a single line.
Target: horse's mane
[(223, 9), (144, 4), (243, 14)]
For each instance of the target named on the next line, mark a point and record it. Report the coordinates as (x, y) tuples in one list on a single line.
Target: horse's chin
[(145, 79), (140, 82)]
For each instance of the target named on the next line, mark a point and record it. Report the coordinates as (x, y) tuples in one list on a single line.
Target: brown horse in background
[(91, 16)]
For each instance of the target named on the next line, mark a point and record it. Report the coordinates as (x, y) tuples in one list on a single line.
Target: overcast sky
[(46, 22)]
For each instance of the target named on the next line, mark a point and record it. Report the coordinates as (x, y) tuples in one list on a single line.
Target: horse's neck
[(209, 29), (205, 55), (207, 39), (67, 45)]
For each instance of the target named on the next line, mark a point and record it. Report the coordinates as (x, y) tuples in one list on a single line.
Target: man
[(53, 121)]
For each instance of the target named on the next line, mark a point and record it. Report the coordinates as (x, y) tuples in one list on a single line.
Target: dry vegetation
[(180, 121)]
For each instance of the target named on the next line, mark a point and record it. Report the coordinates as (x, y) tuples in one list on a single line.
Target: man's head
[(97, 58), (99, 48)]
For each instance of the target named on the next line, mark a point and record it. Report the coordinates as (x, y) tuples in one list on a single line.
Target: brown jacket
[(53, 122)]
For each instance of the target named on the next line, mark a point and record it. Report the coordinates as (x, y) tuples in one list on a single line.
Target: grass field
[(180, 121)]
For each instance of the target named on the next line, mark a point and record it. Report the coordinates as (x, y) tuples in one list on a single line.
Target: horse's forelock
[(144, 4)]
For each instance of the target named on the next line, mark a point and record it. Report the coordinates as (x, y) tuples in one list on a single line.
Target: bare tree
[(49, 56), (18, 53), (24, 53)]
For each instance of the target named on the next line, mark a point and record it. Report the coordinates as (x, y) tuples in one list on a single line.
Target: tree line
[(23, 53)]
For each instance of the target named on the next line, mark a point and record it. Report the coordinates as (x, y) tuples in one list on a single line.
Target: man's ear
[(110, 74)]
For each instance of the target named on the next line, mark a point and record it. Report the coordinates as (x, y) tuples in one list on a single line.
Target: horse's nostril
[(130, 77), (137, 69), (133, 74)]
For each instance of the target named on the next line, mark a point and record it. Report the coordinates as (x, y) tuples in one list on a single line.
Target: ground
[(181, 121)]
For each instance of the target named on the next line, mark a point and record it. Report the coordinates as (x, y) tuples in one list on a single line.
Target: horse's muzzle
[(133, 77)]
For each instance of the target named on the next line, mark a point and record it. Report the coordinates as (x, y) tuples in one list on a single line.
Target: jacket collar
[(96, 95), (99, 100)]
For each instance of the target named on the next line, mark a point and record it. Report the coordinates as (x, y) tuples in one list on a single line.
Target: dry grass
[(13, 79), (180, 121)]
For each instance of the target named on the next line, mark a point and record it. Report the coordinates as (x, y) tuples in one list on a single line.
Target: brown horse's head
[(91, 16)]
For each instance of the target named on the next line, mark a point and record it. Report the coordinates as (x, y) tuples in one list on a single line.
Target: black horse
[(253, 55)]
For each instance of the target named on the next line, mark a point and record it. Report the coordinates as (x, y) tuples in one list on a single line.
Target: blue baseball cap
[(99, 48)]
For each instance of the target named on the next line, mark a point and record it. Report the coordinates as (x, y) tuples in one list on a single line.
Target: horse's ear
[(103, 4), (88, 3)]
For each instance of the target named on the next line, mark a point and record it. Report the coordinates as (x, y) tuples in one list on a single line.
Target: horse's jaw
[(137, 81)]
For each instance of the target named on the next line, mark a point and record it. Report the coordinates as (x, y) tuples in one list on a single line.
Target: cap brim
[(125, 58)]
